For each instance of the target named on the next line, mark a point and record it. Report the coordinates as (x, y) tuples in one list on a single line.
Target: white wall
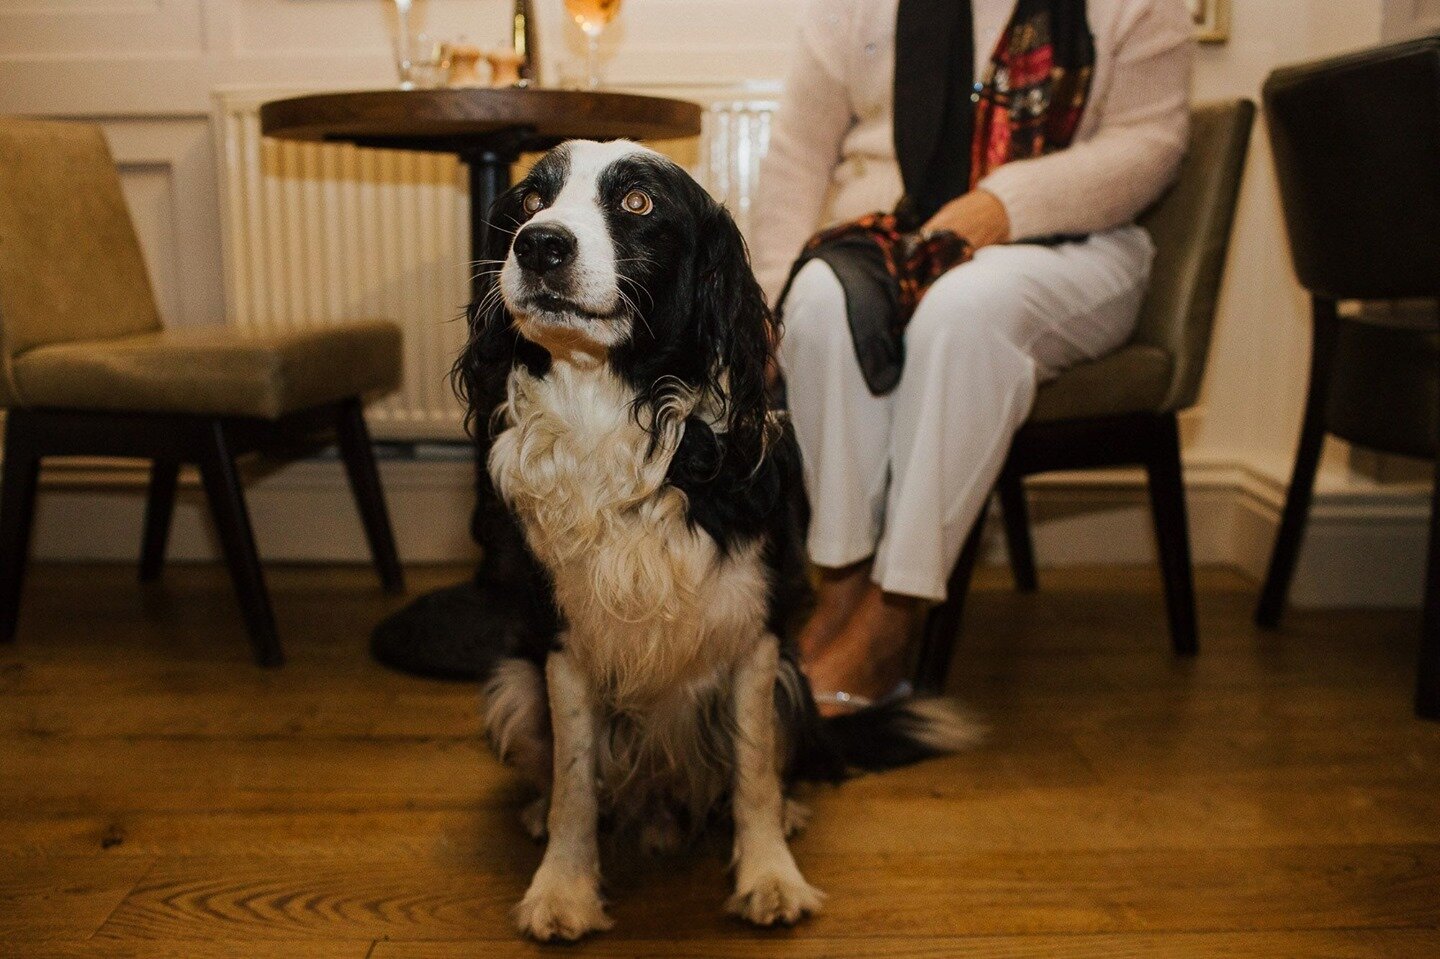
[(1411, 18), (1259, 368)]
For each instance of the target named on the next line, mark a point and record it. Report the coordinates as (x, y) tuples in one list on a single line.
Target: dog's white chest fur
[(651, 603)]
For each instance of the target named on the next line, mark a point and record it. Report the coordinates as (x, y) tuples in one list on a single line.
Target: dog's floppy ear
[(732, 319), (493, 344)]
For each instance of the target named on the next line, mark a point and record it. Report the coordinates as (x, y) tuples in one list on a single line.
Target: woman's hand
[(978, 216)]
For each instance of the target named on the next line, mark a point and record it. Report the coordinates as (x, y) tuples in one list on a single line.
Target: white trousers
[(902, 477)]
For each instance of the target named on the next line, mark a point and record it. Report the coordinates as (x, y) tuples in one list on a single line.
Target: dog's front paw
[(775, 897), (561, 907)]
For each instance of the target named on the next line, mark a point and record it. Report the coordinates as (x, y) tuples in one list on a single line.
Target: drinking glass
[(429, 62), (404, 52), (592, 16)]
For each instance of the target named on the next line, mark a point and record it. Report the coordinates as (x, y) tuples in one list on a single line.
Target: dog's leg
[(516, 723), (797, 817), (661, 835), (768, 886), (533, 815), (563, 901)]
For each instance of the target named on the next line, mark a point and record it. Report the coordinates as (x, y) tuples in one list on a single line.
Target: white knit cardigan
[(832, 150)]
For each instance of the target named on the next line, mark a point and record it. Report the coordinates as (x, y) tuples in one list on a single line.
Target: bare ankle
[(840, 592), (844, 581)]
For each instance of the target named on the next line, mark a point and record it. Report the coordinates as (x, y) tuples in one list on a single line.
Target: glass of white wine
[(592, 16)]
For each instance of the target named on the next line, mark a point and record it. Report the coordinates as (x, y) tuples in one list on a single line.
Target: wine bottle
[(523, 38)]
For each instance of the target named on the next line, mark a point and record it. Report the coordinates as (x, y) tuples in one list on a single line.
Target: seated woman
[(1034, 132)]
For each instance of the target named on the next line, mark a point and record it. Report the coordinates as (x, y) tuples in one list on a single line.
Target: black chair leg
[(17, 518), (1018, 545), (1302, 479), (1172, 535), (1427, 686), (359, 455), (942, 626), (159, 508), (232, 522)]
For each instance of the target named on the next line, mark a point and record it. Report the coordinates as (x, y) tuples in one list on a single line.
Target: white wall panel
[(102, 28), (1411, 18), (168, 170), (356, 27), (149, 192)]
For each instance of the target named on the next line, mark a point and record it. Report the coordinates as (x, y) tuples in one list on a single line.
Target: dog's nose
[(544, 247)]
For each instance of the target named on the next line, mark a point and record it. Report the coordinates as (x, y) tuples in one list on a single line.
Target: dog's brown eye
[(533, 203), (637, 202)]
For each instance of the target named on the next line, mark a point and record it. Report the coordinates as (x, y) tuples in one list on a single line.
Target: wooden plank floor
[(161, 797)]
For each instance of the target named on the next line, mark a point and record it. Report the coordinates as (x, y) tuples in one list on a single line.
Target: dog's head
[(609, 252)]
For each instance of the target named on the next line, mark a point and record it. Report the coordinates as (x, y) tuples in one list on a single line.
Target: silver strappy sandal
[(854, 702)]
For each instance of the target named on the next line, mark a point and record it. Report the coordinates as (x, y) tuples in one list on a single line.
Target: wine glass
[(592, 16), (404, 53)]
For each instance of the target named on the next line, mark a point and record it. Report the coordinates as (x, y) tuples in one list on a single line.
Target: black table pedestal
[(459, 632)]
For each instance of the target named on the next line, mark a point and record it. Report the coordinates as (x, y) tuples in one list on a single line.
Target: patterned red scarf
[(1030, 104)]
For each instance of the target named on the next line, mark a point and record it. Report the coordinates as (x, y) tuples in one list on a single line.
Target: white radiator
[(323, 233)]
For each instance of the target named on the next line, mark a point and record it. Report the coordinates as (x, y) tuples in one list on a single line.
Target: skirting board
[(1361, 549)]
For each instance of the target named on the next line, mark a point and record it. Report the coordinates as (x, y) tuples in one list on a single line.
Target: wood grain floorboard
[(161, 798), (1007, 893), (1031, 819), (104, 949), (63, 897), (1340, 944)]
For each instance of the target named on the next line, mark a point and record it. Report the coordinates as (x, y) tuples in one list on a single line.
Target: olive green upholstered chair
[(86, 368), (1121, 410)]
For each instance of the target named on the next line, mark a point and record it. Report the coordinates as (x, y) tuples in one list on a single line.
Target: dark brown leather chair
[(1121, 410), (1357, 152), (87, 369)]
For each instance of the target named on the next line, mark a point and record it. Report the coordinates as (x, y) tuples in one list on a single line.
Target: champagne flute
[(592, 16), (403, 62)]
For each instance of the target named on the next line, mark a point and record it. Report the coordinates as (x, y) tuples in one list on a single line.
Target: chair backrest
[(1190, 225), (70, 264), (1357, 153)]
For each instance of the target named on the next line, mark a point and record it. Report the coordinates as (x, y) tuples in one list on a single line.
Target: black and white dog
[(620, 360)]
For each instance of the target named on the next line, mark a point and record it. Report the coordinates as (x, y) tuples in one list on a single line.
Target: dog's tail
[(883, 736), (902, 732)]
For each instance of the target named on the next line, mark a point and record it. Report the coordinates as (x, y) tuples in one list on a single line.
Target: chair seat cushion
[(213, 370), (1133, 379)]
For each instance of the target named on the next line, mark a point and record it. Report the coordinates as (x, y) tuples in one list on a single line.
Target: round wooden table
[(486, 128), (458, 632)]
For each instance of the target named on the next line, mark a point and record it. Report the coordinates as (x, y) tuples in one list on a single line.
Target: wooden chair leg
[(942, 626), (159, 508), (1018, 545), (18, 483), (1427, 685), (237, 539), (1302, 479), (1172, 535), (359, 455)]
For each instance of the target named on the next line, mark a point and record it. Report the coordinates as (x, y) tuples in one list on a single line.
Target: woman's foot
[(838, 595), (867, 657)]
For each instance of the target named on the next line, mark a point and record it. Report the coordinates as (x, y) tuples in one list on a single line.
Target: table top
[(461, 119)]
